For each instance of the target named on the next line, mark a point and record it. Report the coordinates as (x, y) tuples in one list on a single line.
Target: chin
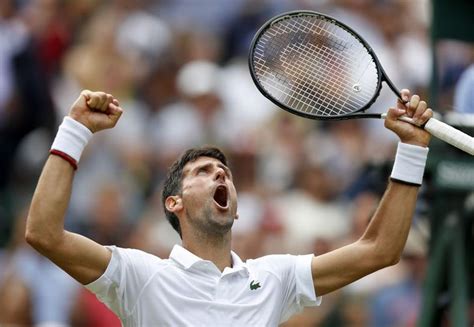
[(221, 224)]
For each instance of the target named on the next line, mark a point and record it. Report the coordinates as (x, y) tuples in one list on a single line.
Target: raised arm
[(80, 257), (384, 239)]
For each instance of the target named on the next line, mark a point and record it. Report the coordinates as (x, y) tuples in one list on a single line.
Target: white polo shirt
[(184, 290)]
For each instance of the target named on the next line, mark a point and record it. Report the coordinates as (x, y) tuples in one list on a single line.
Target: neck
[(215, 249)]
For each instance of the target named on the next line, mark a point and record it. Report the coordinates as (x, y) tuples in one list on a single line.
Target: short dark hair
[(174, 177)]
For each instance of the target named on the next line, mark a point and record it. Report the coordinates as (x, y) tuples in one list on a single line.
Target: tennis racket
[(316, 67)]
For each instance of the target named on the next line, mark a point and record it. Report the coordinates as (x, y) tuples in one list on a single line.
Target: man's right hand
[(82, 258), (96, 110)]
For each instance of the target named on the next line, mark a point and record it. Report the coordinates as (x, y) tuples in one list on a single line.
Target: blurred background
[(179, 69)]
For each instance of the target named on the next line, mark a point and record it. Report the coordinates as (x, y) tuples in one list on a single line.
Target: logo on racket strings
[(357, 88)]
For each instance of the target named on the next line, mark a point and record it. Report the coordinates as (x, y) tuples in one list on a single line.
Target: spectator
[(464, 92)]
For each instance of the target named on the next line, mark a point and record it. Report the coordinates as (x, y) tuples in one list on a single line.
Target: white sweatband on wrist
[(72, 138), (409, 164)]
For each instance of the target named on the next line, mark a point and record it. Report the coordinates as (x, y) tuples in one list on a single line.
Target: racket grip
[(444, 132), (402, 118), (450, 135)]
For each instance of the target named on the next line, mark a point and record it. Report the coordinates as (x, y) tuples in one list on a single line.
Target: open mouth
[(220, 196)]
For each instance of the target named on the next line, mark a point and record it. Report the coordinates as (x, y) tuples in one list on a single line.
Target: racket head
[(312, 65)]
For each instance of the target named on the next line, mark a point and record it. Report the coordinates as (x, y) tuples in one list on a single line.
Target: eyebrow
[(205, 165), (209, 164)]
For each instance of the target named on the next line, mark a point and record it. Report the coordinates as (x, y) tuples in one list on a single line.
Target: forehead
[(201, 161)]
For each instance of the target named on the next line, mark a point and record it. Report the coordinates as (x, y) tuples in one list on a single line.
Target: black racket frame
[(382, 76)]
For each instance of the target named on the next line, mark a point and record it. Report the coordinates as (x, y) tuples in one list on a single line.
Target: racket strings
[(302, 95), (314, 66), (328, 88), (337, 39), (334, 61)]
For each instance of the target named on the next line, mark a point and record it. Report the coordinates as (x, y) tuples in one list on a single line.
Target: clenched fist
[(96, 110), (415, 109)]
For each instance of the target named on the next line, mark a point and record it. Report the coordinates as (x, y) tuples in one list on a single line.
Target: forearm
[(385, 236), (82, 258), (51, 198), (45, 224), (389, 227), (380, 246)]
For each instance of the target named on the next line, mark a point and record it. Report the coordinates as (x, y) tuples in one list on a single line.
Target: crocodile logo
[(254, 285)]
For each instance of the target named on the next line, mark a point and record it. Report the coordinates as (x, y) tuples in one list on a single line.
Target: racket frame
[(360, 113), (435, 127)]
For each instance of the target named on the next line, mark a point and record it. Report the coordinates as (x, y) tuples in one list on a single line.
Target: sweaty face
[(208, 195)]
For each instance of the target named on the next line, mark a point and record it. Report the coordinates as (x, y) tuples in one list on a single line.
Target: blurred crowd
[(179, 70)]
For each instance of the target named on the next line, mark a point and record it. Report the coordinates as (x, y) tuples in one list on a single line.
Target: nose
[(220, 174)]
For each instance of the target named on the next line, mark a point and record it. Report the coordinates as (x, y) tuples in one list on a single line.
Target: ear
[(174, 203)]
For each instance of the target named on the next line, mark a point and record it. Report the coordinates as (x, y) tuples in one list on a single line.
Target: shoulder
[(135, 257), (271, 260), (131, 252), (273, 263), (128, 252), (130, 265), (280, 263)]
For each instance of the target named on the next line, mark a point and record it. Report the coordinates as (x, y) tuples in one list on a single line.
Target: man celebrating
[(204, 282)]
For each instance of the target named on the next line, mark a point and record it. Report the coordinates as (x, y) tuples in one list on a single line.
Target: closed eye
[(204, 170)]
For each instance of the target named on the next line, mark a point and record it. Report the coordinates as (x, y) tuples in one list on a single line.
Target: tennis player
[(203, 282)]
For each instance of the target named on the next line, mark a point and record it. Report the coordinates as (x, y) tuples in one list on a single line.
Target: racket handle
[(450, 135), (444, 132)]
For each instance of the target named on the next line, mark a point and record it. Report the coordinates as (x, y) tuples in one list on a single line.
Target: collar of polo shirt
[(188, 259)]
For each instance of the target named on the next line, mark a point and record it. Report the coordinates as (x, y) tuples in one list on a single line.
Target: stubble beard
[(210, 224)]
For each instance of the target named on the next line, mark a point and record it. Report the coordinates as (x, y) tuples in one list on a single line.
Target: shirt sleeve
[(297, 283), (121, 284)]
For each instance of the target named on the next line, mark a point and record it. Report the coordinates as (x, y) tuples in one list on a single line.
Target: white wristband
[(409, 164), (72, 138)]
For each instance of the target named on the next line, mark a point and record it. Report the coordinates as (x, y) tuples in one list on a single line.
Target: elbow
[(381, 257), (34, 240), (391, 260), (379, 262), (387, 258), (41, 241), (31, 238)]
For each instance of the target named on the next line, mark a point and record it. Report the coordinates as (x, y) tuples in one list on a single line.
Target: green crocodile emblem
[(254, 285)]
